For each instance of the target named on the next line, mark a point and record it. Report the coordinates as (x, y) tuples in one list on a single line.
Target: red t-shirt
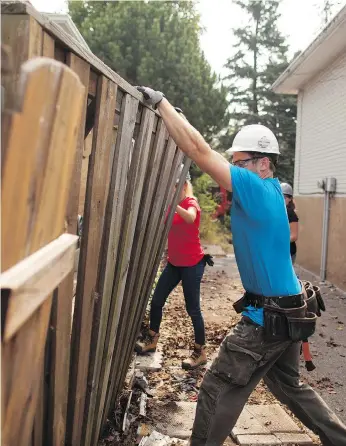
[(184, 245)]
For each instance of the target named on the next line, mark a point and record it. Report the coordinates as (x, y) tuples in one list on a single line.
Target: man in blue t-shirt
[(263, 344)]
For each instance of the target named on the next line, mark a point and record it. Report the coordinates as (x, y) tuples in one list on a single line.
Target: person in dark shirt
[(292, 218)]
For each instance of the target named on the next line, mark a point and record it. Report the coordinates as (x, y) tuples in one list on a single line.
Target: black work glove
[(209, 259)]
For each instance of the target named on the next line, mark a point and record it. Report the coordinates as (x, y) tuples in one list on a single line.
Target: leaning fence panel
[(117, 170)]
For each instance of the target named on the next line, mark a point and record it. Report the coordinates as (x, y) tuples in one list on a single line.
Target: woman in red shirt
[(186, 263)]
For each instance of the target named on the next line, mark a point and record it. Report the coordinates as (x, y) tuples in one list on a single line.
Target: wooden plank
[(23, 36), (82, 69), (146, 200), (148, 251), (47, 49), (62, 304), (139, 307), (112, 234), (94, 212), (52, 213), (141, 294), (164, 190), (35, 39), (55, 229), (32, 279), (39, 422), (59, 53), (15, 32), (23, 175), (7, 98), (48, 46), (135, 183), (22, 377), (159, 242), (45, 83)]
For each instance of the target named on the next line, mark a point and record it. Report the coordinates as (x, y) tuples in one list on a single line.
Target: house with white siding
[(318, 78)]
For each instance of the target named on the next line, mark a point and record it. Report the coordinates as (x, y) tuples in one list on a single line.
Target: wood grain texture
[(60, 324), (34, 278), (137, 312), (125, 228), (112, 238), (36, 134), (149, 188), (94, 212)]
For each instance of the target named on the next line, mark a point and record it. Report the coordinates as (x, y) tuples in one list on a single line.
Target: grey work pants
[(244, 358)]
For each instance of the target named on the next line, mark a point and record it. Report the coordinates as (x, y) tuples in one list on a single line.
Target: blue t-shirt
[(261, 238)]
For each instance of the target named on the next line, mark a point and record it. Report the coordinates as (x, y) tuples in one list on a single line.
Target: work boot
[(148, 343), (197, 359)]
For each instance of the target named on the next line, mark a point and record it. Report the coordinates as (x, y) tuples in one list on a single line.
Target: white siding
[(321, 130)]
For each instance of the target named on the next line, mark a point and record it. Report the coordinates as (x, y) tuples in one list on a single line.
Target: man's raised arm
[(189, 140)]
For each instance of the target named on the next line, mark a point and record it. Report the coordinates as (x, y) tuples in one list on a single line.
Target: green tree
[(157, 44), (203, 186), (260, 57), (327, 10)]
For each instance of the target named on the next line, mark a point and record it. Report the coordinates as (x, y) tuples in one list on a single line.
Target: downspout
[(329, 187)]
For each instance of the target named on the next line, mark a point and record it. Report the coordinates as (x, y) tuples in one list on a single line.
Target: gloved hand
[(151, 97), (209, 259)]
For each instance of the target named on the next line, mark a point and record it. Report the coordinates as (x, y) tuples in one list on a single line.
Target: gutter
[(332, 26)]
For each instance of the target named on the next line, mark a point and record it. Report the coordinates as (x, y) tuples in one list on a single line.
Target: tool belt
[(287, 317)]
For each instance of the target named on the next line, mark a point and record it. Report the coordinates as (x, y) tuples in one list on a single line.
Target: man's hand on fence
[(151, 97)]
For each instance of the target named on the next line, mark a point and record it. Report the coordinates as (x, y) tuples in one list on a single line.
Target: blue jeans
[(191, 277)]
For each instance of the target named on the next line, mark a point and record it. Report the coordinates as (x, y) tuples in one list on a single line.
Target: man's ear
[(266, 162)]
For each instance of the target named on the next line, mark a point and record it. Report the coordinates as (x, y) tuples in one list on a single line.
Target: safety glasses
[(244, 163)]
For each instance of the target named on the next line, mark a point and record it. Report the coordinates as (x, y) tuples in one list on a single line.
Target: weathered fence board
[(96, 195), (120, 235), (148, 249), (48, 46), (137, 312), (112, 236), (143, 218), (45, 83), (62, 304), (31, 282)]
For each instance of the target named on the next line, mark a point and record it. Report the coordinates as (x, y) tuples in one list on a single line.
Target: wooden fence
[(125, 185)]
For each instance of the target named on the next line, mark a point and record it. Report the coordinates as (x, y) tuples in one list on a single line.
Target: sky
[(300, 22)]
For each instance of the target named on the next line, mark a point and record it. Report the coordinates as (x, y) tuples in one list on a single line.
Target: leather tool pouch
[(319, 298), (275, 324), (320, 302), (240, 304), (276, 320), (301, 329), (311, 302)]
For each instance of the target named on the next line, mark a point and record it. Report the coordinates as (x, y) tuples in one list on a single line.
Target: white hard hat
[(255, 138), (286, 189)]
